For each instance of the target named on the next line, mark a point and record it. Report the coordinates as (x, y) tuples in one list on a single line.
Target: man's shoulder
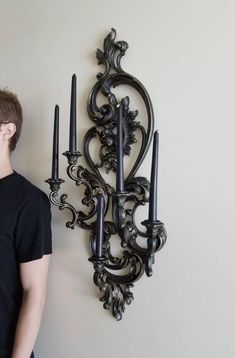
[(19, 196), (28, 190)]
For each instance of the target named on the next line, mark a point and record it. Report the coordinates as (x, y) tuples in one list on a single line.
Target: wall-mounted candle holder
[(115, 127)]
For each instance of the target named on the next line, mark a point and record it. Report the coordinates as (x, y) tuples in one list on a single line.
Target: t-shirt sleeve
[(33, 237)]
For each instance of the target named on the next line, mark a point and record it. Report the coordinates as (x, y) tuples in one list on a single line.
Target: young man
[(25, 243)]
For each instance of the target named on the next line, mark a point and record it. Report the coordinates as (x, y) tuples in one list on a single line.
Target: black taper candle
[(100, 226), (153, 182), (119, 151), (73, 124), (55, 151)]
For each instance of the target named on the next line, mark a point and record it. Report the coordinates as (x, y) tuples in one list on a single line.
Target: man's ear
[(9, 130)]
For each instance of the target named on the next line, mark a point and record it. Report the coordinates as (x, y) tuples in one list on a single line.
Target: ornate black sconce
[(115, 127)]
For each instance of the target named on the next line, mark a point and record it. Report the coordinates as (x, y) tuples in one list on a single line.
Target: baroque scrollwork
[(134, 259), (136, 188)]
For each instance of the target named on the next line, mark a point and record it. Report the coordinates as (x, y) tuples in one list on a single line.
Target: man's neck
[(5, 165)]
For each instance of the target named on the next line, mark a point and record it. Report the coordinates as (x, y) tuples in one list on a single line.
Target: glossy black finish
[(134, 259), (154, 177), (100, 226), (73, 115), (55, 152), (119, 150)]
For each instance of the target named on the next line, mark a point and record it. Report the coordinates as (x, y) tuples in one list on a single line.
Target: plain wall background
[(183, 52)]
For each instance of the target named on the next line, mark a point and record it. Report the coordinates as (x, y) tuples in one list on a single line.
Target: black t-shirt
[(25, 235)]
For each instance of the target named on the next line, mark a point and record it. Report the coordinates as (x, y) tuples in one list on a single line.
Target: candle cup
[(54, 183), (72, 157)]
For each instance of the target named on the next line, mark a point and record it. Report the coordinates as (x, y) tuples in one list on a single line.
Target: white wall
[(183, 51)]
